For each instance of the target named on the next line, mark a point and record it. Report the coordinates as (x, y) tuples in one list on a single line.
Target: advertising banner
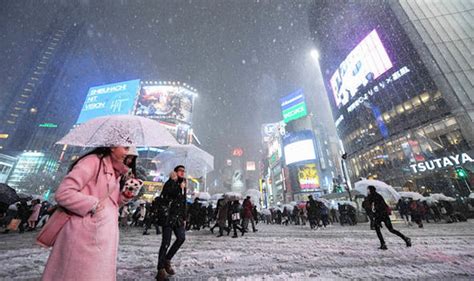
[(251, 166), (365, 63), (111, 99), (167, 103), (308, 177), (293, 106), (299, 147)]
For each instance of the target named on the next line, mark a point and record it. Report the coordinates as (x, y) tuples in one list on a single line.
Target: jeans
[(388, 223), (166, 254)]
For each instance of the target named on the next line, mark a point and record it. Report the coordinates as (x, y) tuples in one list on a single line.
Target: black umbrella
[(8, 195)]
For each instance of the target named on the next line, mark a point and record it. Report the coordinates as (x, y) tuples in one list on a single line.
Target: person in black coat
[(381, 214), (235, 210), (174, 192)]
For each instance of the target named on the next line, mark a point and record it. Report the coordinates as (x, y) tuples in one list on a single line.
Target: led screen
[(365, 63), (166, 103), (111, 99), (299, 147)]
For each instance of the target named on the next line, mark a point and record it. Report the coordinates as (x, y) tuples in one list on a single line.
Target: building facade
[(400, 90)]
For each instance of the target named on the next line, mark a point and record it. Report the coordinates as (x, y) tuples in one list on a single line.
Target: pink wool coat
[(86, 248)]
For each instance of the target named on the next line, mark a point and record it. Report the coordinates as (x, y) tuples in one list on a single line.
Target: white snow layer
[(440, 251)]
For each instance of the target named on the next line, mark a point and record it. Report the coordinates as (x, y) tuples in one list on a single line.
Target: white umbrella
[(293, 203), (203, 196), (353, 204), (388, 192), (253, 193), (197, 161), (266, 212), (442, 197), (119, 130), (288, 207), (429, 200), (409, 194), (324, 201), (471, 195), (231, 196), (216, 196)]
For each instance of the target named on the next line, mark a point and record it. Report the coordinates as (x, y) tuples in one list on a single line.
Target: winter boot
[(235, 236), (168, 268), (161, 276), (383, 247), (408, 241)]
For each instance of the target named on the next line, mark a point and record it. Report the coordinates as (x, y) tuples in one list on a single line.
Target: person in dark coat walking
[(248, 214), (381, 214), (313, 211), (235, 209), (174, 192), (222, 213)]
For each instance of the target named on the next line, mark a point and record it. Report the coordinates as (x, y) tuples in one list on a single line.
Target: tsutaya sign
[(440, 163)]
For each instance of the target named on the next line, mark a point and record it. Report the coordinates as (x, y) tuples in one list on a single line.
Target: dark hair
[(132, 165), (371, 188), (101, 152), (178, 167)]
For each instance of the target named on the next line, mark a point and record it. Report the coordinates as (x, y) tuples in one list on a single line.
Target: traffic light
[(461, 173)]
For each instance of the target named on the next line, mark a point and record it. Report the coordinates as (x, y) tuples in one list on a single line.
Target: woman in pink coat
[(86, 247), (35, 214)]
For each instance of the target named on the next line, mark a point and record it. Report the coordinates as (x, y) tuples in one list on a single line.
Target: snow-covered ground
[(440, 251)]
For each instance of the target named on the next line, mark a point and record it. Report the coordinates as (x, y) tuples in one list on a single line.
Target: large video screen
[(299, 147), (365, 63), (166, 103), (111, 99), (293, 106), (308, 177)]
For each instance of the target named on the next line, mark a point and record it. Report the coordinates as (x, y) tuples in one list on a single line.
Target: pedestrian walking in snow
[(248, 214), (125, 212), (174, 193), (35, 211), (381, 214), (236, 209), (86, 246)]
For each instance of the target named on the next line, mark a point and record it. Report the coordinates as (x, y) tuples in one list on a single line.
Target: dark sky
[(241, 55)]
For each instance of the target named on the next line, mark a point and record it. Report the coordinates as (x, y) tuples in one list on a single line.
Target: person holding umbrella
[(86, 246), (174, 192), (381, 213)]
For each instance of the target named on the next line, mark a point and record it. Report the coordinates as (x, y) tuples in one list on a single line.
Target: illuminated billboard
[(365, 63), (293, 106), (308, 177), (299, 147), (111, 99), (169, 103)]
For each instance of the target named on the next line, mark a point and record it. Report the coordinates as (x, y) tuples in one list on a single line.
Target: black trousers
[(388, 223), (165, 254)]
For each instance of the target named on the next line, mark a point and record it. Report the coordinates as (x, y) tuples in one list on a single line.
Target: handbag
[(48, 234), (236, 216), (55, 224), (14, 224)]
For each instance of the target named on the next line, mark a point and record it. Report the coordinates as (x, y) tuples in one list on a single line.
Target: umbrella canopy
[(197, 161), (232, 196), (8, 195), (442, 197), (203, 196), (253, 193), (301, 205), (266, 212), (324, 201), (289, 207), (25, 197), (471, 195), (216, 196), (353, 204), (429, 200), (119, 130), (409, 194), (388, 192)]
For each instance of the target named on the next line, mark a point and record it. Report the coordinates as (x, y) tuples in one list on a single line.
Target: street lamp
[(315, 54)]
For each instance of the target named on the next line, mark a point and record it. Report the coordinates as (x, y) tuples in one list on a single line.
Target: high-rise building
[(399, 76)]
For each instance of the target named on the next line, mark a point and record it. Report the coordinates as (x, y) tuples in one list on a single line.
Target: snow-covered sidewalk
[(440, 251)]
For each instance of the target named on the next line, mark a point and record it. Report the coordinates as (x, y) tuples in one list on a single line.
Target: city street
[(440, 251)]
